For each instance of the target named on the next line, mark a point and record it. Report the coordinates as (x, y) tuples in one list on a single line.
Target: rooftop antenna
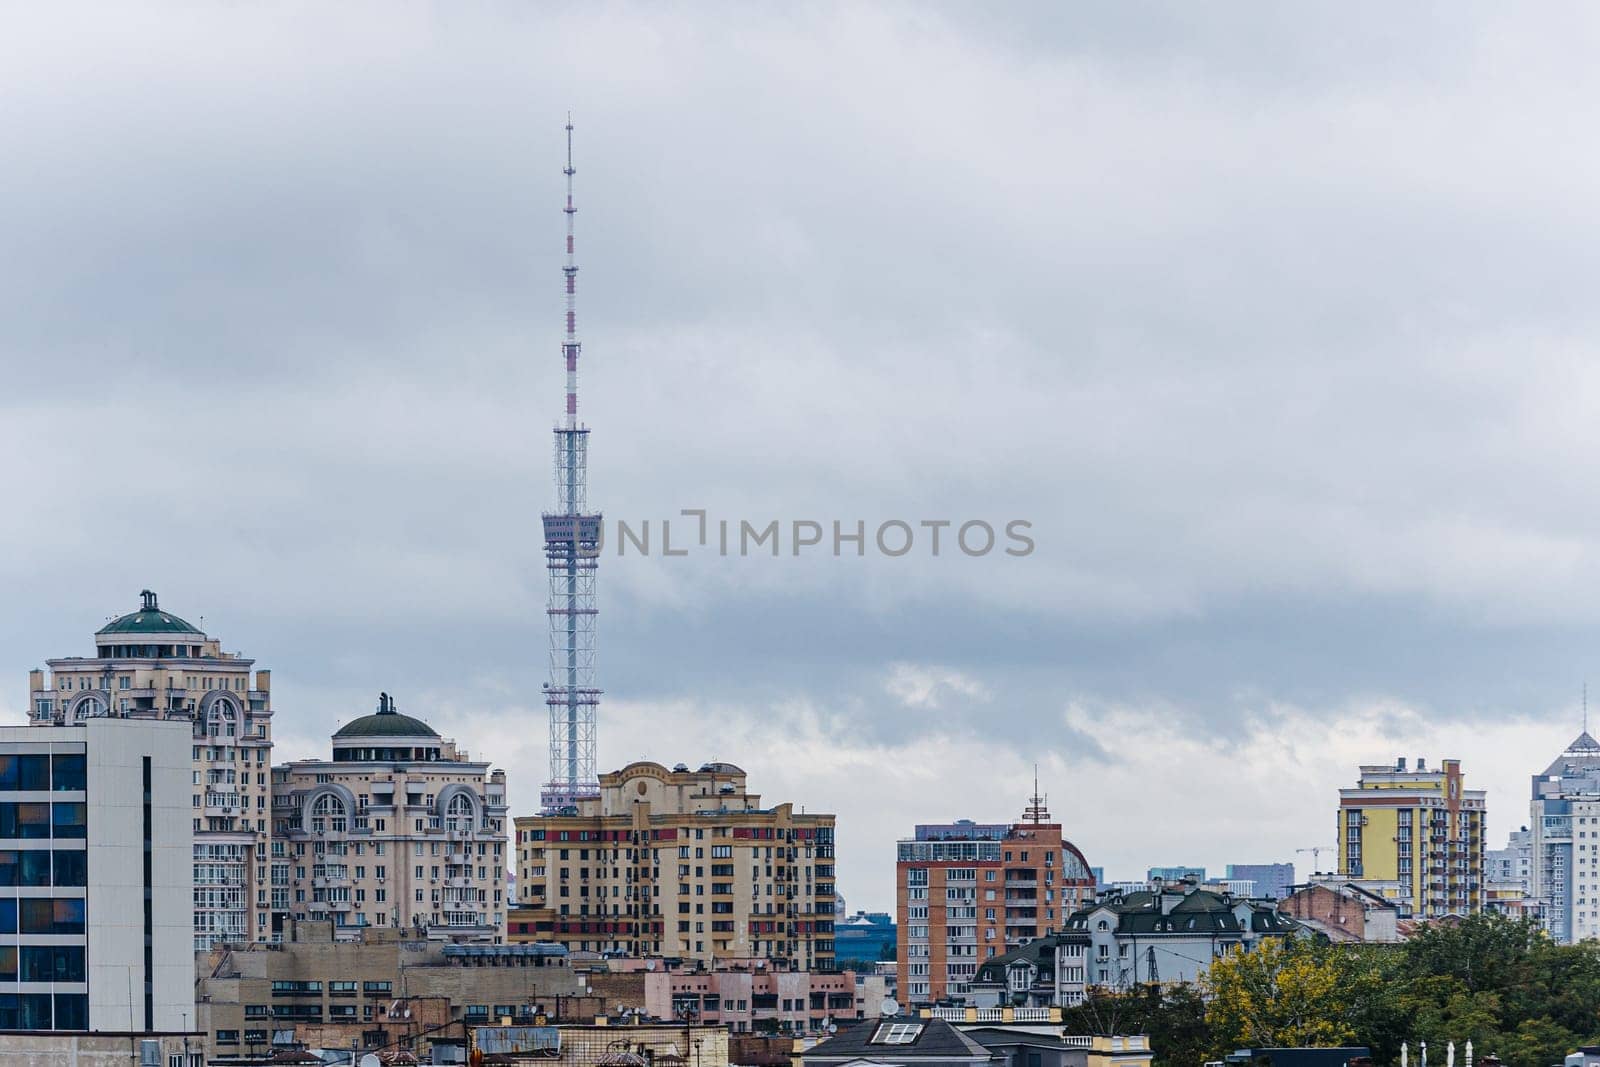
[(1036, 812)]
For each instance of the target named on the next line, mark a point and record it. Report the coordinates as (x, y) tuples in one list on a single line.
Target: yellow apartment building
[(1418, 830)]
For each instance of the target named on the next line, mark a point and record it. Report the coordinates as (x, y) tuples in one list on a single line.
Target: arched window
[(1073, 869), (327, 813), (222, 718), (90, 707), (460, 814)]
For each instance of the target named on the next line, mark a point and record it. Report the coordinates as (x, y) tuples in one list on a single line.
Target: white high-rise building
[(1564, 852), (95, 878), (151, 664)]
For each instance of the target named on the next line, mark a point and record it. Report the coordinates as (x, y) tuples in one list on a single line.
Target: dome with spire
[(149, 619), (385, 722)]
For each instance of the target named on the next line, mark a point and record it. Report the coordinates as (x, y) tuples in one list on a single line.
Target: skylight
[(897, 1034)]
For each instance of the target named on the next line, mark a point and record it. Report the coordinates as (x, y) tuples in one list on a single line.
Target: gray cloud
[(1276, 326)]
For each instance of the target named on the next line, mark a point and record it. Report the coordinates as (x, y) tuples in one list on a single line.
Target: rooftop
[(149, 619), (899, 1038), (385, 722)]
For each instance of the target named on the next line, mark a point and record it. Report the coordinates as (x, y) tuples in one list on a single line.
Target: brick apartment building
[(969, 891)]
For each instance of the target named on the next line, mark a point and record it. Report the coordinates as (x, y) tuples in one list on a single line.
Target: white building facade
[(1564, 850)]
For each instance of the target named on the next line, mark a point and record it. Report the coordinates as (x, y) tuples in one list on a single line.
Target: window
[(328, 813), (69, 772), (69, 820), (24, 820), (46, 915), (460, 814), (51, 963), (897, 1034)]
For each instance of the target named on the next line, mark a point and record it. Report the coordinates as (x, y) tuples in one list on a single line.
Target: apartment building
[(680, 863), (1421, 829), (1563, 845), (967, 891), (401, 828), (151, 664), (95, 877)]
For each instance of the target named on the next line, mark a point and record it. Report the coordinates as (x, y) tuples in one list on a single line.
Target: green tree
[(1179, 1032), (1174, 1018), (1439, 1009), (1536, 1043), (1486, 953), (1293, 993)]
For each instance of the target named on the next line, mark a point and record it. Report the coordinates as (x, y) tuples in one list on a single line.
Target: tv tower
[(572, 554)]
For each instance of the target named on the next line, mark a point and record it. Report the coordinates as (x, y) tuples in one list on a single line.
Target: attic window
[(897, 1034)]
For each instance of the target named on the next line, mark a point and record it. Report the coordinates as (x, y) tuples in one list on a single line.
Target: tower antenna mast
[(572, 554)]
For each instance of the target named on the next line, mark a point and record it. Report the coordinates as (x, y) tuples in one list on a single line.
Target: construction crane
[(1316, 855)]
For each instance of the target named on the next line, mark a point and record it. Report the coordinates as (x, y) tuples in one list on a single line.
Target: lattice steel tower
[(572, 553)]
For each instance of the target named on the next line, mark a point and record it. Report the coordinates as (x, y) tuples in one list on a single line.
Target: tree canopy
[(1498, 982)]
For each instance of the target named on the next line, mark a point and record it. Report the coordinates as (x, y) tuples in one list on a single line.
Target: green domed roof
[(149, 619), (385, 722)]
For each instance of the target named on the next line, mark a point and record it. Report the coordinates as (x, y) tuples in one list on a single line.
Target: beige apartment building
[(151, 664), (401, 828), (679, 863)]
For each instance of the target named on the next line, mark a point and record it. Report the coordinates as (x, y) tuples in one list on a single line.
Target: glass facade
[(43, 873)]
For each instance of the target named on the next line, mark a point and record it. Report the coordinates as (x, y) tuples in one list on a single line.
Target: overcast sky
[(1278, 326)]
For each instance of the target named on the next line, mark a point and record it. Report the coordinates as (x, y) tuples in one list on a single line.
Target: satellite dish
[(649, 965), (890, 1006), (371, 1060)]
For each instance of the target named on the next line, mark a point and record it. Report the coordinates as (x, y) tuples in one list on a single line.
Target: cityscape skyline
[(1140, 860), (1293, 511)]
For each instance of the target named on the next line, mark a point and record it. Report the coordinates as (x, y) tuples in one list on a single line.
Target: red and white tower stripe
[(571, 270)]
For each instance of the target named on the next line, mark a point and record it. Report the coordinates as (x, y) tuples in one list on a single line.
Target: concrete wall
[(88, 1050), (114, 903)]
